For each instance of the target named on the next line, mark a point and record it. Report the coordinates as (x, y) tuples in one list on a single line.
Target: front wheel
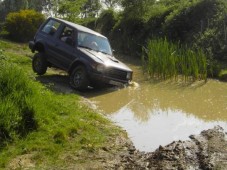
[(79, 78), (39, 64)]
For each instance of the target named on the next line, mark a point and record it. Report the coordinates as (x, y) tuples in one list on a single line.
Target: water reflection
[(162, 127)]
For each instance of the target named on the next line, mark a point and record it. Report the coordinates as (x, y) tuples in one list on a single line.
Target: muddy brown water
[(157, 113)]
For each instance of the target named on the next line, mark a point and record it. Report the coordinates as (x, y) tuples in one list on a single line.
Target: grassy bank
[(40, 125)]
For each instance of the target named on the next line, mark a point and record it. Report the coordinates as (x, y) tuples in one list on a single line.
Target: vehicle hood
[(106, 59)]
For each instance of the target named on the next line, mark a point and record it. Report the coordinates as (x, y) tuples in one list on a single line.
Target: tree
[(15, 5), (91, 8), (69, 9), (111, 3), (136, 8), (52, 7), (36, 5)]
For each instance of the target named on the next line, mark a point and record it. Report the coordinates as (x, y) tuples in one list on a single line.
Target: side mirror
[(113, 51)]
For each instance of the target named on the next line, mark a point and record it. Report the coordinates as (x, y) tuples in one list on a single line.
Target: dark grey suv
[(85, 54)]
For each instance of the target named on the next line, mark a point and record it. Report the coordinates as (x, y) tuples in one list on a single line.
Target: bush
[(128, 35), (191, 18), (106, 22), (213, 38), (23, 25)]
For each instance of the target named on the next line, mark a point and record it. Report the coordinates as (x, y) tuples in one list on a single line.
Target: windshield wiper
[(93, 49), (85, 47), (104, 52), (89, 48)]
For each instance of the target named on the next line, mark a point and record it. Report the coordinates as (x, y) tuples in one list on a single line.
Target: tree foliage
[(111, 3), (75, 10), (69, 9), (91, 8), (106, 22), (136, 8)]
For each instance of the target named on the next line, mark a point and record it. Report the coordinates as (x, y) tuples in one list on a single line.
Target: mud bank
[(205, 151)]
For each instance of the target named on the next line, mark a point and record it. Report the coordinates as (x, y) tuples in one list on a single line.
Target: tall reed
[(162, 60)]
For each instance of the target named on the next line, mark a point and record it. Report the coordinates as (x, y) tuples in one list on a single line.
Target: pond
[(157, 113)]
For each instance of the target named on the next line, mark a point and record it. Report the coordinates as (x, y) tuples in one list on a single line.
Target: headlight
[(100, 68), (129, 75)]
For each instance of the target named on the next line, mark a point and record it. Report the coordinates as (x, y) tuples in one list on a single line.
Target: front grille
[(116, 73)]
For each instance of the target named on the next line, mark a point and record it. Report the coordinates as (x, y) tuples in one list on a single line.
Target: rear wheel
[(39, 64), (79, 78)]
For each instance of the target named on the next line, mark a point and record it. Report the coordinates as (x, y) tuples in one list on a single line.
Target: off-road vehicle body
[(85, 54)]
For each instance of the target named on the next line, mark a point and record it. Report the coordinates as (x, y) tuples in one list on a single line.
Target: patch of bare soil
[(205, 151)]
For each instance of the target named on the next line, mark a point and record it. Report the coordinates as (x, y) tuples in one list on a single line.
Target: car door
[(65, 47), (50, 31)]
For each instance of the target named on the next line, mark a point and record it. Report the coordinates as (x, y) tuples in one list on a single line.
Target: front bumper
[(101, 78)]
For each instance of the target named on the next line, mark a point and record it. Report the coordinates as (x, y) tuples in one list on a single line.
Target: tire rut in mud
[(205, 151)]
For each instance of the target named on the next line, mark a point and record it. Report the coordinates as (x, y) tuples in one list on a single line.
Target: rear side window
[(51, 27), (68, 36)]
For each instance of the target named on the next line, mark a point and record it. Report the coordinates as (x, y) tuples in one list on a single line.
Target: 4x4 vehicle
[(85, 54)]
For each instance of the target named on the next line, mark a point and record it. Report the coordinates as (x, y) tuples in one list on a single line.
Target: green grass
[(223, 75), (36, 121), (163, 60)]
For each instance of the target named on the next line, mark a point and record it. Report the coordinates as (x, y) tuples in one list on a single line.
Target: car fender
[(39, 46), (77, 62)]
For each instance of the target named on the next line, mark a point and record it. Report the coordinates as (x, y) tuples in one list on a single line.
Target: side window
[(51, 27), (67, 35)]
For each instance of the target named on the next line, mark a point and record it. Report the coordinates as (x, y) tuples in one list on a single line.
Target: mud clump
[(205, 151)]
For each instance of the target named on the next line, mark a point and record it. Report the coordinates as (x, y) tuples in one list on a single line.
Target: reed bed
[(165, 60)]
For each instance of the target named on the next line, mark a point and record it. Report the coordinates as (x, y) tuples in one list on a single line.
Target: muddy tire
[(79, 78), (39, 64)]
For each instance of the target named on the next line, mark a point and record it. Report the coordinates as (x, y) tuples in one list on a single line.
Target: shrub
[(23, 25), (202, 24), (106, 22), (127, 35), (156, 21)]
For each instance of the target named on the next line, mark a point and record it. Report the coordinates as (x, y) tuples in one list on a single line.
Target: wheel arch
[(75, 64), (39, 46)]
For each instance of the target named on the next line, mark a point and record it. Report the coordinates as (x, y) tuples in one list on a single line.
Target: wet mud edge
[(208, 150)]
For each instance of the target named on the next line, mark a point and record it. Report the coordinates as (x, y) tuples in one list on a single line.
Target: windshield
[(94, 42)]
